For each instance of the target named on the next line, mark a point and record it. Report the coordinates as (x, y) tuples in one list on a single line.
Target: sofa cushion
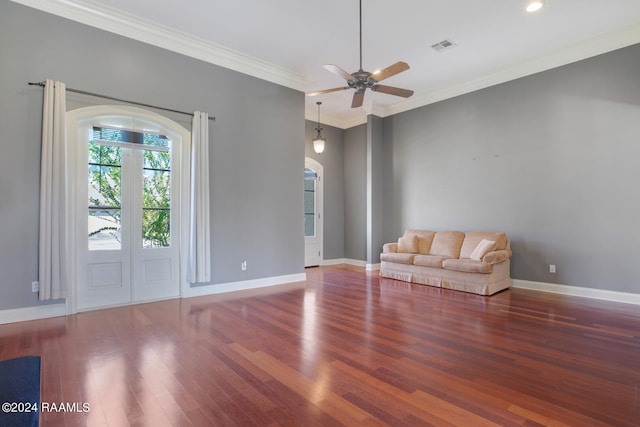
[(447, 244), (400, 258), (472, 239), (408, 244), (467, 265), (484, 247), (425, 238), (496, 256), (434, 261), (390, 247)]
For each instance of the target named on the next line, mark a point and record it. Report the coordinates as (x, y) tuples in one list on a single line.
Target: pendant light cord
[(318, 128)]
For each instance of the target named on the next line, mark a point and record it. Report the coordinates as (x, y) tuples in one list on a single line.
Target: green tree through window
[(105, 187), (156, 199)]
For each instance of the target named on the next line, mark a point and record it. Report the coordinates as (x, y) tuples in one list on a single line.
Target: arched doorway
[(313, 215)]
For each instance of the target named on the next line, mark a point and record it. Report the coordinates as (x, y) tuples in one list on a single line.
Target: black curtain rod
[(120, 100)]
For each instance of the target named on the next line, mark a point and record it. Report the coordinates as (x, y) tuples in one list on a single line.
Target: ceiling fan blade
[(405, 93), (320, 92), (358, 99), (339, 71), (392, 70)]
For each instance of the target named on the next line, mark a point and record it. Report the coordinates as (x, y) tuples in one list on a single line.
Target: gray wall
[(552, 159), (355, 193), (257, 154), (333, 186)]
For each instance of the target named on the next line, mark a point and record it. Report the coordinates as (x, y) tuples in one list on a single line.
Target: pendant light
[(318, 141)]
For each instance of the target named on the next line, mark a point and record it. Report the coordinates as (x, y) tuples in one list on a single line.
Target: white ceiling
[(288, 41)]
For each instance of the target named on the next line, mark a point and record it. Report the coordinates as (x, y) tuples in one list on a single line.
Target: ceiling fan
[(362, 80)]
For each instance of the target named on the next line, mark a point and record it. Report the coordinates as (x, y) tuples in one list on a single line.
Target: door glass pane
[(309, 203), (105, 201), (156, 199)]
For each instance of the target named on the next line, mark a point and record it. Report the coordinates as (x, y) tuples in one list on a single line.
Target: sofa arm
[(390, 247), (497, 256)]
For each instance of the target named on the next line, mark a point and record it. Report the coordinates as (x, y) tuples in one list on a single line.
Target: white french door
[(312, 213), (127, 212)]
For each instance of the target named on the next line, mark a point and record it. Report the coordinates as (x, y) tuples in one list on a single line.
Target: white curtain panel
[(199, 268), (52, 252)]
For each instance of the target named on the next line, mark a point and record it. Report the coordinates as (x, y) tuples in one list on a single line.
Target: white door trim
[(319, 169), (75, 118)]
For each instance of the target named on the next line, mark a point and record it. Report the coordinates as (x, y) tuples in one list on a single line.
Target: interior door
[(313, 213), (128, 216)]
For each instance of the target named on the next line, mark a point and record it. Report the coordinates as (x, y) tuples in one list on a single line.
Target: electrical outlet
[(243, 266), (552, 268), (35, 286)]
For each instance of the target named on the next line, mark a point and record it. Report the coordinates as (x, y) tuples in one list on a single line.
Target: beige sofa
[(477, 262)]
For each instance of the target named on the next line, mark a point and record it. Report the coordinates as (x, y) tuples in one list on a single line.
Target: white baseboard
[(354, 262), (32, 313), (242, 285), (55, 310), (348, 261), (335, 261), (126, 304), (614, 296)]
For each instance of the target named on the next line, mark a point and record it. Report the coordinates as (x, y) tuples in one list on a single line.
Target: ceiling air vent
[(443, 45)]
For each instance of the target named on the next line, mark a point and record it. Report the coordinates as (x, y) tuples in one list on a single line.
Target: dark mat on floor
[(20, 392)]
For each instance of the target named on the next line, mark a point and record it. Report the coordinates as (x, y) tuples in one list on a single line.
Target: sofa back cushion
[(447, 243), (408, 244), (425, 239), (472, 239)]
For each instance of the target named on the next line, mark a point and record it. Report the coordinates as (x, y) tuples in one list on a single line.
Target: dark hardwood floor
[(343, 348)]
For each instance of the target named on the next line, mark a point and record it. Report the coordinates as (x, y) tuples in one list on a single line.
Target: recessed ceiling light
[(535, 5)]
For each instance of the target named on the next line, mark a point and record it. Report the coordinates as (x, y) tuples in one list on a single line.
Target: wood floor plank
[(314, 391), (398, 403), (345, 347)]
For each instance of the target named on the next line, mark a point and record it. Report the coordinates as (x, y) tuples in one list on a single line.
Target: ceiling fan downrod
[(362, 80), (361, 35)]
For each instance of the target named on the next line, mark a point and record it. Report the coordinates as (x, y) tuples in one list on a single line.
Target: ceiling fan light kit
[(362, 80)]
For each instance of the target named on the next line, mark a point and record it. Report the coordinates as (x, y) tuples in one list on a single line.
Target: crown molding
[(375, 109), (353, 121), (592, 47), (356, 118), (595, 46), (337, 120), (99, 16), (115, 21)]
